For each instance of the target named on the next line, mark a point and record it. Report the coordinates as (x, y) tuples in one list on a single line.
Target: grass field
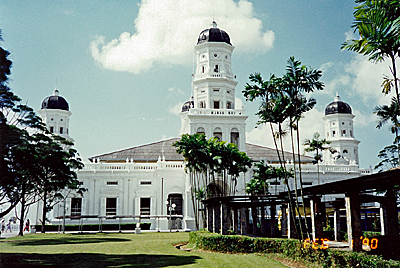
[(115, 250)]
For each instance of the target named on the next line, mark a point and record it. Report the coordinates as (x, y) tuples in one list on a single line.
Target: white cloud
[(166, 31), (176, 109), (367, 78), (311, 123)]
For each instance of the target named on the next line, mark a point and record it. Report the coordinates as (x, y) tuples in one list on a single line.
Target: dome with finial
[(213, 34), (337, 107), (187, 105), (55, 102)]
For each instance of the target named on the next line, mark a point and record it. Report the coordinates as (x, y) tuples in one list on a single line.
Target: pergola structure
[(232, 212)]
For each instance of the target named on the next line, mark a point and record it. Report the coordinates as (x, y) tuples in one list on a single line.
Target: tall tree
[(207, 160), (390, 114), (57, 164), (283, 100), (317, 145), (378, 25)]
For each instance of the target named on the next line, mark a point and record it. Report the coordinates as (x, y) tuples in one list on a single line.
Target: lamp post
[(170, 208)]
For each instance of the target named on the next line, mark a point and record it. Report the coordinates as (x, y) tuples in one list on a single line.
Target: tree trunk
[(22, 217), (44, 211)]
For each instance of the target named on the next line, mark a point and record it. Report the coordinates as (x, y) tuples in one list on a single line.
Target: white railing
[(217, 112), (132, 166), (310, 168), (219, 75)]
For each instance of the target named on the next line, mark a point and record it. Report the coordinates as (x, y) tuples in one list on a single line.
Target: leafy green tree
[(390, 114), (378, 25), (282, 100), (389, 156), (57, 164), (207, 160), (34, 164), (317, 145)]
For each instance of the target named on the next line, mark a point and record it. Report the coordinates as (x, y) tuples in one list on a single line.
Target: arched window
[(229, 105), (345, 151), (218, 133), (201, 130), (235, 136)]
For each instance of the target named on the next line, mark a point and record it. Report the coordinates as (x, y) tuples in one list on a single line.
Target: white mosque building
[(141, 180)]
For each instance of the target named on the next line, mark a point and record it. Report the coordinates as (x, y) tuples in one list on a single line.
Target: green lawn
[(115, 250)]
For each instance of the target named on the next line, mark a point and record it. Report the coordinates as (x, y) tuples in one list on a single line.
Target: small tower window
[(344, 133), (216, 68), (52, 119), (343, 123), (216, 104), (202, 104), (351, 134), (327, 134), (203, 69), (345, 151), (61, 130), (52, 129), (228, 105), (333, 133)]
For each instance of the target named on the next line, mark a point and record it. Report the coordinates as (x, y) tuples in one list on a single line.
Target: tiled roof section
[(258, 152), (144, 153), (152, 151)]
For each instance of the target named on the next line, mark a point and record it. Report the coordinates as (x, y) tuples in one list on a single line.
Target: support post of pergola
[(217, 218), (353, 218), (236, 220), (225, 223), (316, 207), (264, 231), (273, 220), (336, 220), (243, 221), (284, 221), (210, 218)]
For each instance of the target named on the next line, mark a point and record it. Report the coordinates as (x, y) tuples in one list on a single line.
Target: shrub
[(288, 247)]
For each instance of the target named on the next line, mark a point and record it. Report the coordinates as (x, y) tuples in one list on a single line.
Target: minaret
[(212, 109), (55, 114), (339, 131)]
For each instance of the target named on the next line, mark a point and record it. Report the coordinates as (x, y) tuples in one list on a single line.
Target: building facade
[(141, 183)]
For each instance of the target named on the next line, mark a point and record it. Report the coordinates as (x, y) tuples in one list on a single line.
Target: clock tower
[(212, 109)]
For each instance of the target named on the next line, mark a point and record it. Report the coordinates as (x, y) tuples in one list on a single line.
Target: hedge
[(94, 227), (288, 247)]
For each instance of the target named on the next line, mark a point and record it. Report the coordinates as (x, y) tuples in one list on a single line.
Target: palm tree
[(317, 145), (391, 114), (206, 159), (378, 24)]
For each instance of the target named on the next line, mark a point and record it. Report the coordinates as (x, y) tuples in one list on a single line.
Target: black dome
[(55, 102), (338, 107), (187, 105), (213, 34)]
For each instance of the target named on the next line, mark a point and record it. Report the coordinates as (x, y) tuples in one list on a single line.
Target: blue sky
[(125, 66)]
